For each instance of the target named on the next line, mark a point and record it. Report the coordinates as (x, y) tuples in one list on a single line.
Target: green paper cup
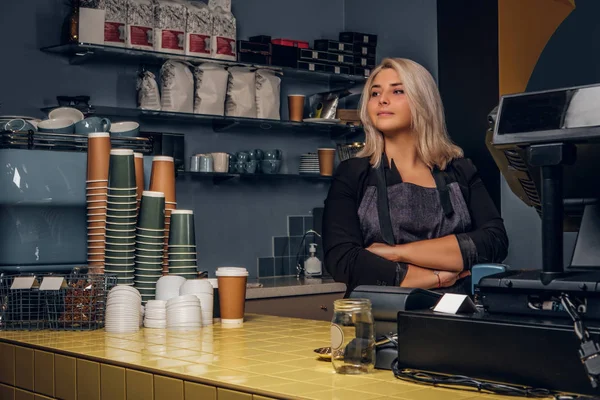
[(182, 228), (152, 210), (121, 169), (126, 205), (182, 256)]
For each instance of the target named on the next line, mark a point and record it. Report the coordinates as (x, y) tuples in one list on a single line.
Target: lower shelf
[(220, 176)]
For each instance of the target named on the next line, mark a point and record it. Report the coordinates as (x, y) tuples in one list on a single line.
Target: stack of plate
[(184, 312), (123, 309), (309, 164), (156, 314)]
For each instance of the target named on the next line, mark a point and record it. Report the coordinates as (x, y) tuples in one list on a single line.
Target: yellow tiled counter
[(269, 358)]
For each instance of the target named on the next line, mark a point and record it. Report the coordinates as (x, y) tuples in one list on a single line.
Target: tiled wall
[(290, 250)]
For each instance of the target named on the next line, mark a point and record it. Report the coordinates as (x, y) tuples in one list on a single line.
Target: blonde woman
[(409, 210)]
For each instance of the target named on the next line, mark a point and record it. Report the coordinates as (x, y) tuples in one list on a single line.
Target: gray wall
[(570, 58), (406, 28), (235, 220)]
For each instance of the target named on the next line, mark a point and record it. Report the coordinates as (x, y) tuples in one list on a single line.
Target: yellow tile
[(65, 382), (260, 382), (24, 368), (257, 397), (44, 373), (88, 380), (112, 382), (178, 353), (195, 391), (140, 385), (165, 363), (303, 375), (194, 370), (40, 397), (278, 357), (7, 392), (23, 395), (167, 388), (296, 388), (7, 364), (226, 394), (270, 369), (345, 394)]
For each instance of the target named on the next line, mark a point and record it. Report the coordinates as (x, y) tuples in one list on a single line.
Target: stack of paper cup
[(162, 179), (182, 245), (232, 295), (123, 305), (184, 312), (121, 216), (203, 290), (149, 243), (96, 190), (156, 314)]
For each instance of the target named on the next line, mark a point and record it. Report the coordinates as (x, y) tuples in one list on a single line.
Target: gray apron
[(413, 213)]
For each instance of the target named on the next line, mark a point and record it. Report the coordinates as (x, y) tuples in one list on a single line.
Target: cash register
[(536, 325)]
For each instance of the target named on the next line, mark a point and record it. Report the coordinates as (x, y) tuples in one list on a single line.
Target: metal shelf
[(79, 53), (221, 123), (218, 177)]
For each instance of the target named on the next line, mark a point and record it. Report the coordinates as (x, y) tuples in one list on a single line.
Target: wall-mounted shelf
[(218, 177), (221, 123), (79, 53)]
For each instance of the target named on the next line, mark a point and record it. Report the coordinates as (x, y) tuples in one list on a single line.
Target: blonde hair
[(434, 146)]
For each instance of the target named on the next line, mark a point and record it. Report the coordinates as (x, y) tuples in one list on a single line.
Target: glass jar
[(352, 337)]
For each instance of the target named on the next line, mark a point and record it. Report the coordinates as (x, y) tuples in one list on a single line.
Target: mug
[(91, 125), (125, 129), (17, 125), (57, 125)]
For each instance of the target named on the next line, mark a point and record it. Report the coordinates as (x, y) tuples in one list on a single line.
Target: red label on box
[(225, 46), (114, 32), (172, 40), (140, 35), (199, 43)]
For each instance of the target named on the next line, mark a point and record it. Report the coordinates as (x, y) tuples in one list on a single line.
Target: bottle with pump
[(312, 265)]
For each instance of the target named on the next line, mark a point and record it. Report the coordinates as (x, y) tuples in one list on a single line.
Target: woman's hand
[(448, 278), (384, 251)]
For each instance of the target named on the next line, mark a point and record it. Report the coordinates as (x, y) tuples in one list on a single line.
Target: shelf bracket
[(80, 57), (223, 125)]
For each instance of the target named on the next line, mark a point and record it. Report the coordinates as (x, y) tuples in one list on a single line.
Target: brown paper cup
[(296, 107), (326, 161), (98, 156), (139, 174), (232, 295), (162, 178)]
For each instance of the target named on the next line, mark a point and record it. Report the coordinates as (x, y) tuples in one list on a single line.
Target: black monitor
[(527, 125)]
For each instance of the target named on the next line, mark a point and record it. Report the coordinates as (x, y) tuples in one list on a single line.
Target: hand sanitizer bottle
[(312, 265)]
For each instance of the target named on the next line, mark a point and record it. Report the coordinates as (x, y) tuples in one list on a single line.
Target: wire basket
[(21, 309), (349, 150), (81, 304)]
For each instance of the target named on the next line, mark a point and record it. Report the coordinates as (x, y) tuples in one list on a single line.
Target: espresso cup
[(232, 295)]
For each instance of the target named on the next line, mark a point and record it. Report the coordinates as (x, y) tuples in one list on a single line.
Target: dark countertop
[(291, 286)]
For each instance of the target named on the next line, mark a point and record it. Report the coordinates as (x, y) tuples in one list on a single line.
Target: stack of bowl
[(149, 243), (121, 216), (162, 179), (182, 245), (123, 310), (184, 312), (96, 190)]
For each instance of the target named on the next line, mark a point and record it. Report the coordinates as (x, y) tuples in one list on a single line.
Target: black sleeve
[(488, 233), (345, 258)]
